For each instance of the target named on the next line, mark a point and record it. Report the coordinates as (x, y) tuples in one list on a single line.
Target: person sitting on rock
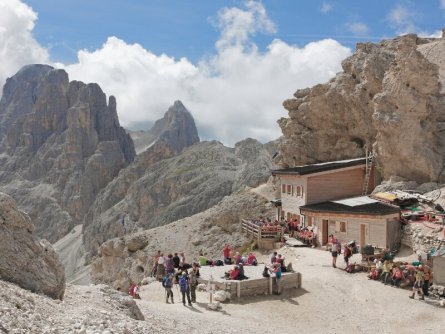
[(374, 274), (202, 259), (251, 260), (237, 258), (397, 277), (234, 273), (280, 260), (131, 289), (136, 292)]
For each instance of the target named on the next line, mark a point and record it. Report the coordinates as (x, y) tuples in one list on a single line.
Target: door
[(324, 232), (364, 235)]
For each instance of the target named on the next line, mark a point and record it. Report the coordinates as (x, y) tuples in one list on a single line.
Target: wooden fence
[(261, 232)]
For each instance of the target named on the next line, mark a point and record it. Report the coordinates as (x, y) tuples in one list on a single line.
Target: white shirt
[(161, 260)]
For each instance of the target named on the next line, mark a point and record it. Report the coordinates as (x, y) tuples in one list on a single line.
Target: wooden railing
[(261, 232)]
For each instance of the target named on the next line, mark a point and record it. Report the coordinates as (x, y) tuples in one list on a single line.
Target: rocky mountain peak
[(177, 129), (60, 137)]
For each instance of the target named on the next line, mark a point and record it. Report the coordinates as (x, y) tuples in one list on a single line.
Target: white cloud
[(402, 19), (442, 4), (17, 45), (326, 7), (234, 94), (357, 28)]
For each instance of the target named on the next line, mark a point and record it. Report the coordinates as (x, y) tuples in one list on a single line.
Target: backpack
[(183, 283), (166, 283), (219, 263)]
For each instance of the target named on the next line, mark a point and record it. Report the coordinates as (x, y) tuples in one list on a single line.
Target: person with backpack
[(167, 283), (194, 274), (184, 286)]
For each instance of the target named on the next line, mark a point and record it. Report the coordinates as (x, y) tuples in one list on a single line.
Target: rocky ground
[(329, 301)]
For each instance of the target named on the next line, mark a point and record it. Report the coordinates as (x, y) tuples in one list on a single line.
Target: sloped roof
[(320, 167), (356, 205)]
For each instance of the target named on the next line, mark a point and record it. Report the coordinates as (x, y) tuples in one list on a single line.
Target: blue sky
[(184, 28), (232, 63)]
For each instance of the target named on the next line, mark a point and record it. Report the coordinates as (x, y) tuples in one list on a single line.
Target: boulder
[(29, 262)]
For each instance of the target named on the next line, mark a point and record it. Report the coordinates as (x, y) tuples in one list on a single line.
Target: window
[(343, 227), (301, 191), (283, 188), (289, 189), (309, 221), (298, 191)]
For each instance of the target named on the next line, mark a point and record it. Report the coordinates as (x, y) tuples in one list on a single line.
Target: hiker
[(226, 253), (184, 286), (334, 253), (131, 289), (169, 264), (427, 276), (167, 283), (397, 277), (418, 284), (277, 272), (181, 259), (386, 271), (273, 258), (160, 271), (176, 261), (194, 274), (155, 264), (347, 253)]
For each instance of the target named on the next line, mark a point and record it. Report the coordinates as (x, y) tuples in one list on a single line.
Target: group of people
[(402, 274), (335, 247), (167, 264), (389, 272), (187, 281)]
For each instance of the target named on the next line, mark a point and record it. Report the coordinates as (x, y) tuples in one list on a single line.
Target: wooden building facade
[(362, 219), (321, 182)]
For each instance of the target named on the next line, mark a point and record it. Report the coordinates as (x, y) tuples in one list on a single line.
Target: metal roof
[(320, 167), (356, 205)]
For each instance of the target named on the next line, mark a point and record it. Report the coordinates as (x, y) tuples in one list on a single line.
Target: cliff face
[(153, 192), (61, 143), (389, 98), (25, 260)]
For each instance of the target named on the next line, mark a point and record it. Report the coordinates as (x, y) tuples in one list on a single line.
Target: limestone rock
[(60, 144), (153, 192), (388, 98), (25, 260), (177, 128)]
